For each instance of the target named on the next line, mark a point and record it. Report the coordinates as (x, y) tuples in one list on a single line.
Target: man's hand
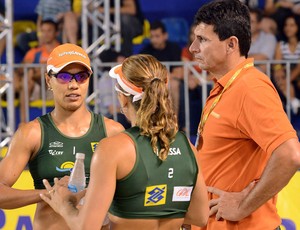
[(227, 206)]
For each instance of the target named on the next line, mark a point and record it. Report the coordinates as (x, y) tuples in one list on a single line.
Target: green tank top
[(56, 155), (155, 188)]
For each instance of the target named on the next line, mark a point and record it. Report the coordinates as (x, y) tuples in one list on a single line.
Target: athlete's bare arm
[(25, 143)]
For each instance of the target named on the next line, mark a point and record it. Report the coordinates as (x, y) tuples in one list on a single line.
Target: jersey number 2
[(170, 173)]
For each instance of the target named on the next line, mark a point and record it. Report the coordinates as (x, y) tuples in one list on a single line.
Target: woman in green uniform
[(48, 144), (146, 177)]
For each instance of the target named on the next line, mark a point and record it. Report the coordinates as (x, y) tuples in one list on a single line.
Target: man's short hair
[(50, 21), (158, 25)]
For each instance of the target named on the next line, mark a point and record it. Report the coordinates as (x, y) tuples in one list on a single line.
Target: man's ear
[(232, 43)]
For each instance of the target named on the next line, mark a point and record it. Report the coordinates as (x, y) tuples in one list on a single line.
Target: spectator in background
[(268, 25), (166, 51), (59, 11), (38, 55), (280, 9), (132, 21), (264, 5), (289, 49), (109, 104), (263, 44)]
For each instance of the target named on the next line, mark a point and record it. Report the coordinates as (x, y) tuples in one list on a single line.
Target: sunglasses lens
[(67, 77), (81, 77), (64, 77)]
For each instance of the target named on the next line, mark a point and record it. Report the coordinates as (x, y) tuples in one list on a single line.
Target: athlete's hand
[(64, 181), (60, 198), (227, 205)]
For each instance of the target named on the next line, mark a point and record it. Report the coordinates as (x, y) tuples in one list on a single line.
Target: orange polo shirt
[(43, 57), (245, 127)]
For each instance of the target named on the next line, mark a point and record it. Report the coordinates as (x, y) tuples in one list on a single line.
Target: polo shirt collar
[(223, 80)]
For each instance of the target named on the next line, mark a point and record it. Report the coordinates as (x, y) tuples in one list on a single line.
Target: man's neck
[(162, 46), (227, 67), (50, 45)]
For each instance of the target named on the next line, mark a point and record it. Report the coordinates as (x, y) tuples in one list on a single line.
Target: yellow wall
[(21, 219), (288, 204)]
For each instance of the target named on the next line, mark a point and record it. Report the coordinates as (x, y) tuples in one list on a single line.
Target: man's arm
[(282, 165)]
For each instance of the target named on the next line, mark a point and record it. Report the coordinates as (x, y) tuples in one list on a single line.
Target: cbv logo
[(55, 152)]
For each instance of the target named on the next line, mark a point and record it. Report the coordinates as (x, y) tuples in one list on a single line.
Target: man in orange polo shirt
[(248, 149)]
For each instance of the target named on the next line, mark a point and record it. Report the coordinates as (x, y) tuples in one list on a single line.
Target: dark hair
[(229, 18), (49, 21), (257, 12), (110, 55), (297, 21), (158, 25)]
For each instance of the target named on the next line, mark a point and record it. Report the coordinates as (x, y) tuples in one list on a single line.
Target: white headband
[(137, 92)]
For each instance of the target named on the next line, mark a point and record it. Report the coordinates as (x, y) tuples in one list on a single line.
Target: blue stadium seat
[(178, 29), (19, 26)]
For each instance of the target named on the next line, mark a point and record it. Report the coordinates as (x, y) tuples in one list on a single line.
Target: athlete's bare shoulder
[(29, 135), (112, 127), (30, 127)]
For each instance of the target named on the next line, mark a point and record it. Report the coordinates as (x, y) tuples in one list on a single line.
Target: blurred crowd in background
[(163, 30)]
